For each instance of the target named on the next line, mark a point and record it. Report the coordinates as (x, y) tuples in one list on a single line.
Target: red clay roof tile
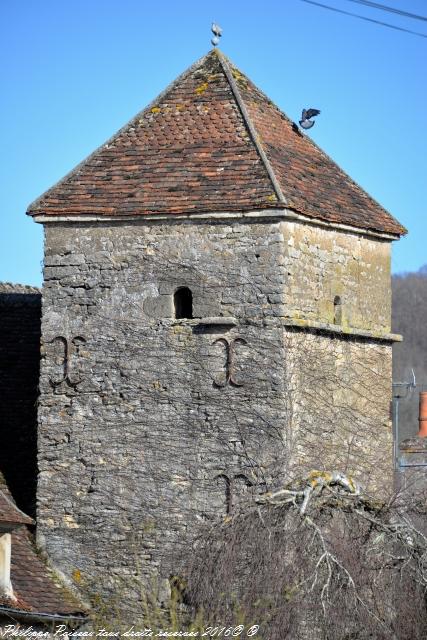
[(35, 587), (212, 142), (9, 512)]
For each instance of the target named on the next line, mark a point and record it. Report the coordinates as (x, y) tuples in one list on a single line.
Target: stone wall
[(150, 425), (20, 310), (338, 398), (323, 264)]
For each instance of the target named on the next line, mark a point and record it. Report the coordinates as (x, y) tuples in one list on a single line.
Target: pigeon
[(305, 121), (215, 41)]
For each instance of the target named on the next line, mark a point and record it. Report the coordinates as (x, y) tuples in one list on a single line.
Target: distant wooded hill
[(409, 316)]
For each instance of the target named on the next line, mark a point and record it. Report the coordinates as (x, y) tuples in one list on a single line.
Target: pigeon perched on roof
[(217, 31), (306, 122)]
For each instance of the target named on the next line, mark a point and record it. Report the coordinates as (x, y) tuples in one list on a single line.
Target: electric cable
[(383, 7), (356, 15)]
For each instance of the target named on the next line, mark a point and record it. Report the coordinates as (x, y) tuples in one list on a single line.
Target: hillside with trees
[(409, 319)]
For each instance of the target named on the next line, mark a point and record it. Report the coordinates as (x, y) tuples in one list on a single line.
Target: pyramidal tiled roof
[(212, 142)]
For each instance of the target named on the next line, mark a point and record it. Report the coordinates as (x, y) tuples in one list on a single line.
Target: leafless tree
[(316, 560)]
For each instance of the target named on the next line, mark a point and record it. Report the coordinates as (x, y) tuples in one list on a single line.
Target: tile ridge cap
[(251, 127)]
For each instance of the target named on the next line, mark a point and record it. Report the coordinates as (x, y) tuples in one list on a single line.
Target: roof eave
[(39, 616), (279, 212), (7, 526)]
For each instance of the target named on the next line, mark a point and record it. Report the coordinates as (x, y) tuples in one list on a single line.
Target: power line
[(383, 7), (356, 15)]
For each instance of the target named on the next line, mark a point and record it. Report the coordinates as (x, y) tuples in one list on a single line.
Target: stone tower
[(216, 318)]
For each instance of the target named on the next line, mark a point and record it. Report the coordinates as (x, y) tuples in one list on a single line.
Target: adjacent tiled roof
[(213, 142), (11, 288), (9, 513), (20, 318), (36, 588), (34, 585)]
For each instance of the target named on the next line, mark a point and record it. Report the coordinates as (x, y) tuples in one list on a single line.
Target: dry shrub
[(347, 568)]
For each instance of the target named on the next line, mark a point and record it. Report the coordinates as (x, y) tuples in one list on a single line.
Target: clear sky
[(73, 72)]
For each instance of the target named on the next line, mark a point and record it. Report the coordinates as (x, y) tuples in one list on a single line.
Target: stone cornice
[(219, 216), (323, 327)]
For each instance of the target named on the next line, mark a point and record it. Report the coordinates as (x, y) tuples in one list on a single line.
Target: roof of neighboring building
[(9, 512), (35, 586), (213, 142), (11, 288), (19, 295)]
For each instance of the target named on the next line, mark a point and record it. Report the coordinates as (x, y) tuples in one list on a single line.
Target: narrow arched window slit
[(337, 310), (183, 303)]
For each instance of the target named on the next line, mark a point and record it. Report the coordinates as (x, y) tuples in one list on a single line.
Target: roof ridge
[(7, 287), (250, 126), (115, 135)]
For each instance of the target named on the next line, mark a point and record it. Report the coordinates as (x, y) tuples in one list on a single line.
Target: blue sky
[(74, 72)]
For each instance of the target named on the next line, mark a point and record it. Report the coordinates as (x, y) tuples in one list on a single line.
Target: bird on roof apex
[(307, 114), (217, 31)]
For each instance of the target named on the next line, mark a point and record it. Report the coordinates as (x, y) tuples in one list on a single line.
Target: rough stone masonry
[(144, 434), (206, 333)]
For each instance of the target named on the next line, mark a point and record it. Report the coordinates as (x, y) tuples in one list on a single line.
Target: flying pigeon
[(217, 31), (305, 121)]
